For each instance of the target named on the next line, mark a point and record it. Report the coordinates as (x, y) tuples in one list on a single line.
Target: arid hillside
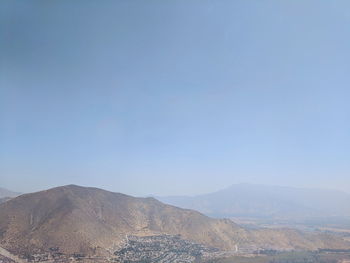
[(93, 221)]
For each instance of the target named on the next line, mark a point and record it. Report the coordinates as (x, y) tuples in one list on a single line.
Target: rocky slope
[(93, 221)]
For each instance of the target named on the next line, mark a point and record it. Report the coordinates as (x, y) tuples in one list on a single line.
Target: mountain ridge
[(89, 220), (5, 193), (266, 201)]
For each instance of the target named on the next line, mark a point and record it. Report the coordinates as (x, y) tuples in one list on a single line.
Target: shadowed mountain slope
[(94, 221)]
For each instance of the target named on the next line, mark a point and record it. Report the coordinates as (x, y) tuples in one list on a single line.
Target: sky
[(174, 97)]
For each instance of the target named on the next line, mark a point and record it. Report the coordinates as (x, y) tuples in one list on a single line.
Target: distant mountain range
[(7, 193), (73, 219), (261, 201), (4, 199)]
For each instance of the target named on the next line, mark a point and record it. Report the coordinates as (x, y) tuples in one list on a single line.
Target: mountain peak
[(83, 218), (78, 219)]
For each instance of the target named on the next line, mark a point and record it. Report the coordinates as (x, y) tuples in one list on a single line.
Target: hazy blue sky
[(174, 97)]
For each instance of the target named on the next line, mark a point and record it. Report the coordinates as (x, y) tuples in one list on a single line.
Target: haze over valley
[(272, 205)]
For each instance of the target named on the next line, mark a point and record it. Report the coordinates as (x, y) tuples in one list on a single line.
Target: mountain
[(261, 201), (74, 219), (4, 199), (7, 193)]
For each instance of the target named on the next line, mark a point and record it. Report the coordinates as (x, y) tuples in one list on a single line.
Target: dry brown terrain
[(94, 221)]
